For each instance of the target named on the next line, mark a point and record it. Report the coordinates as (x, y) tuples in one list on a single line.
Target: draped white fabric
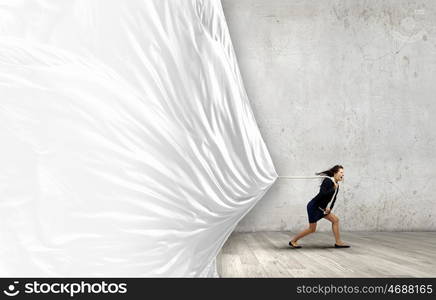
[(128, 145)]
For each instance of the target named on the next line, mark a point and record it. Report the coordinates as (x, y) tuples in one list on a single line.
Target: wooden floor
[(372, 254)]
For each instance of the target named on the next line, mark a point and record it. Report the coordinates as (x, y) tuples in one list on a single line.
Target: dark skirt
[(314, 212)]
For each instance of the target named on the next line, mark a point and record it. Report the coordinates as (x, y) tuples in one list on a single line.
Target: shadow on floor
[(308, 247)]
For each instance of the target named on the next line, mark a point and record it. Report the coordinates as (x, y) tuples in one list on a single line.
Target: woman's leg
[(311, 229), (335, 227)]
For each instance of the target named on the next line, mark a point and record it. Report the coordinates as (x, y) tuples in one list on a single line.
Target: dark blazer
[(325, 194)]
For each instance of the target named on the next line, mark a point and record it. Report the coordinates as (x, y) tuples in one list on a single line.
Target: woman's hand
[(327, 211)]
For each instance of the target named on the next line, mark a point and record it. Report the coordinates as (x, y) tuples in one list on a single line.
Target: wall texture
[(350, 82)]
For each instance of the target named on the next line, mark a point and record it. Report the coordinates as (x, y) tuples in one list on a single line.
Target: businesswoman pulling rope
[(317, 207)]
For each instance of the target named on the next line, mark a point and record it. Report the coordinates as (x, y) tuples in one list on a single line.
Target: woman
[(317, 207)]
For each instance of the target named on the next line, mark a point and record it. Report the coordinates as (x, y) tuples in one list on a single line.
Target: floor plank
[(372, 254)]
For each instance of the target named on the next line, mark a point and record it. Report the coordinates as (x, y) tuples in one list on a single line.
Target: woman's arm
[(326, 190), (327, 187), (334, 199)]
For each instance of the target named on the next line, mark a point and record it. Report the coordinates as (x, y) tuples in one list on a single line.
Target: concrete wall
[(349, 82)]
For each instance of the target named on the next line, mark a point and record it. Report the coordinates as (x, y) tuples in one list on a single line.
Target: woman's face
[(339, 175)]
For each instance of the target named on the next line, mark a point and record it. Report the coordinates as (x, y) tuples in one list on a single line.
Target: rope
[(303, 177)]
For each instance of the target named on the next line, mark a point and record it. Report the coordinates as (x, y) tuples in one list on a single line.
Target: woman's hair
[(330, 172)]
